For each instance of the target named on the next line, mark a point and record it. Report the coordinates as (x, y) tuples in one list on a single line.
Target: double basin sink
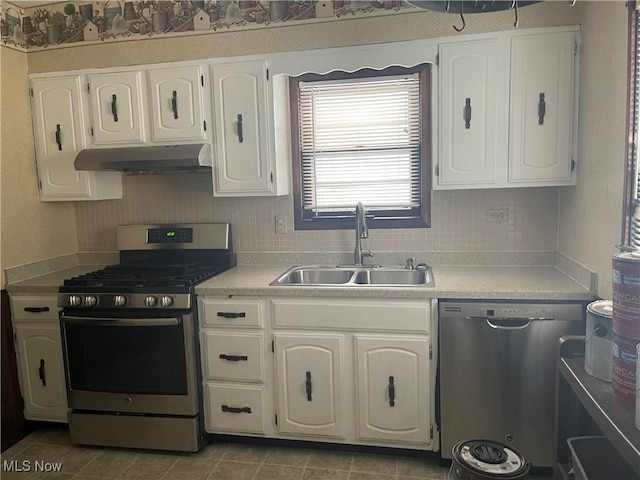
[(353, 276)]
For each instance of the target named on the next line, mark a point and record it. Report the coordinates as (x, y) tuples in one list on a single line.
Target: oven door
[(133, 364)]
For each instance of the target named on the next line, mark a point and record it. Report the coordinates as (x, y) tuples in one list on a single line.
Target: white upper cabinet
[(177, 104), (118, 108), (506, 111), (58, 115), (240, 104), (472, 134), (541, 134)]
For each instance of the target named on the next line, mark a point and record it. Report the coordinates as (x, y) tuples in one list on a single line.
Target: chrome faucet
[(362, 231)]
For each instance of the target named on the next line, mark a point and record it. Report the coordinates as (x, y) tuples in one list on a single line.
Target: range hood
[(192, 157)]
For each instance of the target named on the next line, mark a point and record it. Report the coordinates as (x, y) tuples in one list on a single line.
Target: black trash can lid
[(490, 460)]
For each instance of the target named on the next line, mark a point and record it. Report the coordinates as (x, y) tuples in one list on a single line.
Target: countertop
[(503, 282), (481, 282), (50, 282)]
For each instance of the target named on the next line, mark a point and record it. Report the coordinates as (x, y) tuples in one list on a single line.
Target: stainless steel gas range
[(129, 334)]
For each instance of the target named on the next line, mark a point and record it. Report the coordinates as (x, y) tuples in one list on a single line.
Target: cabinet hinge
[(430, 352), (92, 131), (437, 170), (21, 402), (40, 184), (204, 125), (31, 92), (202, 80), (276, 419), (267, 74), (575, 48), (88, 87), (437, 59), (573, 164), (273, 346), (431, 431), (271, 177)]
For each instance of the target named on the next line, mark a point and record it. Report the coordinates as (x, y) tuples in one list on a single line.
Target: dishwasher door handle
[(508, 323), (506, 319)]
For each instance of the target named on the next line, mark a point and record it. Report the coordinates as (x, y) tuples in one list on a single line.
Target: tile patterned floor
[(216, 461)]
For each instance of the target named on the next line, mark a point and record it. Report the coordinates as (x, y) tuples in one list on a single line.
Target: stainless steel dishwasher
[(498, 373)]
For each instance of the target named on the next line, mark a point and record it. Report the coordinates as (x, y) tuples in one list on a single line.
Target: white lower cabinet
[(393, 381), (39, 355), (232, 343), (235, 409), (355, 370), (309, 379), (342, 370)]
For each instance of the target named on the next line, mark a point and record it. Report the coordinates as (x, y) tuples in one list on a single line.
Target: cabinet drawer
[(235, 408), (350, 314), (234, 356), (235, 312), (34, 308)]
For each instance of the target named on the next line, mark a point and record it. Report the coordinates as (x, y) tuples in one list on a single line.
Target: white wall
[(590, 215)]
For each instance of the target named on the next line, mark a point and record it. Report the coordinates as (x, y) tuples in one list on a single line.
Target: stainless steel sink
[(356, 276), (393, 277), (315, 276)]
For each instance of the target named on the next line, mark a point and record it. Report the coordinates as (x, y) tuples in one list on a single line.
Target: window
[(631, 223), (361, 137)]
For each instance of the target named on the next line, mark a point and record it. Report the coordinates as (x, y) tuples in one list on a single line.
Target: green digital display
[(170, 235)]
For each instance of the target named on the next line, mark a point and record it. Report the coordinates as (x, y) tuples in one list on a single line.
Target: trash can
[(487, 460)]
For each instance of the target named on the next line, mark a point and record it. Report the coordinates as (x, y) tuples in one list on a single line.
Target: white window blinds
[(360, 141)]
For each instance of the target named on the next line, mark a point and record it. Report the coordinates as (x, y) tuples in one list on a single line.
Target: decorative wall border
[(52, 25)]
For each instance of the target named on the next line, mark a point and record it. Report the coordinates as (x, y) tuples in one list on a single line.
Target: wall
[(591, 213), (458, 217), (31, 230)]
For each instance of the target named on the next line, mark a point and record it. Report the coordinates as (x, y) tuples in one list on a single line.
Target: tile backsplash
[(459, 220)]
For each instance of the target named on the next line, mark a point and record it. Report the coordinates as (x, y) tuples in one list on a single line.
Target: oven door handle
[(123, 322)]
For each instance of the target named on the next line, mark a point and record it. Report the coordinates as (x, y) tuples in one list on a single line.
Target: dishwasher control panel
[(532, 311)]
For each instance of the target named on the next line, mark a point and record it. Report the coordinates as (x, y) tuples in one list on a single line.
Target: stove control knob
[(119, 300), (90, 300), (75, 300), (166, 301), (150, 301)]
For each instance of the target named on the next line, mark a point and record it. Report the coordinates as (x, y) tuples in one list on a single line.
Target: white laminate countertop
[(481, 282), (49, 283)]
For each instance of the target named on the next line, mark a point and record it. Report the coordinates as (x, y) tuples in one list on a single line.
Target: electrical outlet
[(497, 215), (281, 224)]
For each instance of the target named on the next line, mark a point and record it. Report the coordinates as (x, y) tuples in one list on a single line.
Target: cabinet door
[(118, 109), (39, 351), (473, 110), (240, 108), (393, 388), (309, 384), (58, 130), (177, 104), (541, 134)]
